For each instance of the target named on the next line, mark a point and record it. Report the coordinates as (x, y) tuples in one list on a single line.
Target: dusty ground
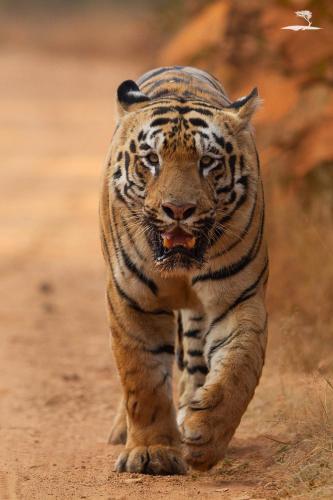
[(58, 384)]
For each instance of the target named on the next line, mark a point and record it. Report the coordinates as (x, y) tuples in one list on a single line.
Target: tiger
[(182, 228)]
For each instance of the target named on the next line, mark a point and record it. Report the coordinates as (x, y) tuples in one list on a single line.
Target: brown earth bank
[(58, 384)]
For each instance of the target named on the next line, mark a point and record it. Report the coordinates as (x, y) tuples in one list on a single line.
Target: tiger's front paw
[(155, 460), (202, 448)]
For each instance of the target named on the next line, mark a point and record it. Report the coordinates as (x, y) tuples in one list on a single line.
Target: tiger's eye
[(206, 161), (153, 158)]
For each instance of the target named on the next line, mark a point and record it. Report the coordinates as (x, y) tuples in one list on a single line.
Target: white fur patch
[(181, 416)]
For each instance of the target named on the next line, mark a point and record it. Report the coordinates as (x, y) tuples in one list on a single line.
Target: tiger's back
[(183, 82)]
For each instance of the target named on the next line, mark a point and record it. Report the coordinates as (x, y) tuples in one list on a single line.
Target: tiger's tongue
[(177, 238)]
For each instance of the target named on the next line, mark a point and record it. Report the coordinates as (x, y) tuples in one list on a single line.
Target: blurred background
[(60, 64)]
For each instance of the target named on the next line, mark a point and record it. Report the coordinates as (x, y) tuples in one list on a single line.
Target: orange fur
[(182, 115)]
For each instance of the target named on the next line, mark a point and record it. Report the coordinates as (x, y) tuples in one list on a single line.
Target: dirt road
[(58, 384)]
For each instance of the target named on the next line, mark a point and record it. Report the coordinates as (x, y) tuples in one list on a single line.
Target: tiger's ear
[(130, 98), (244, 108)]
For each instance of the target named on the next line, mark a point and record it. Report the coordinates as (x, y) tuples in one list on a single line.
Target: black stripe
[(163, 349), (127, 160), (210, 79), (249, 292), (134, 305), (196, 369), (244, 180), (121, 326), (222, 343), (130, 301), (132, 267), (197, 122), (219, 140), (180, 350), (115, 246), (192, 333), (115, 316), (241, 200), (232, 163), (145, 78), (228, 147), (156, 131), (131, 239), (150, 86), (159, 121), (119, 195), (188, 109), (139, 274), (117, 174), (218, 232), (182, 110), (216, 97), (162, 110), (225, 189), (196, 318), (196, 101), (236, 267), (180, 329), (105, 248), (161, 93), (194, 352), (230, 186), (244, 232), (154, 84)]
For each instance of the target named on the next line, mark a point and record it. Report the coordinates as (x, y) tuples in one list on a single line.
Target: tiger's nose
[(179, 212)]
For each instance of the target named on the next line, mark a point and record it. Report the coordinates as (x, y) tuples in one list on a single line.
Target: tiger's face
[(182, 169)]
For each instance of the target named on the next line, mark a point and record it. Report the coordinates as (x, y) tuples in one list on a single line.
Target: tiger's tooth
[(167, 242), (190, 243)]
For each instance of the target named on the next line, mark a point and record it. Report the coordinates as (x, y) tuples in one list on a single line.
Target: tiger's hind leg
[(191, 362), (118, 434)]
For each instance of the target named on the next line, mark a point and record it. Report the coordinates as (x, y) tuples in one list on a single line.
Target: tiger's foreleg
[(234, 353), (143, 345)]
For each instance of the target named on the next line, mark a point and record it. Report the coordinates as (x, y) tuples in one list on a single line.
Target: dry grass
[(301, 342), (306, 460)]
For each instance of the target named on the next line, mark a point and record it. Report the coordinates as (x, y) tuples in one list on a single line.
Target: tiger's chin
[(178, 262)]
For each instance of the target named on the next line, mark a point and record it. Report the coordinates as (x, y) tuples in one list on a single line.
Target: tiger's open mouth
[(178, 238), (178, 249)]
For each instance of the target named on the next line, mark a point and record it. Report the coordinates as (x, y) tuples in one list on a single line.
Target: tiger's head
[(183, 168)]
